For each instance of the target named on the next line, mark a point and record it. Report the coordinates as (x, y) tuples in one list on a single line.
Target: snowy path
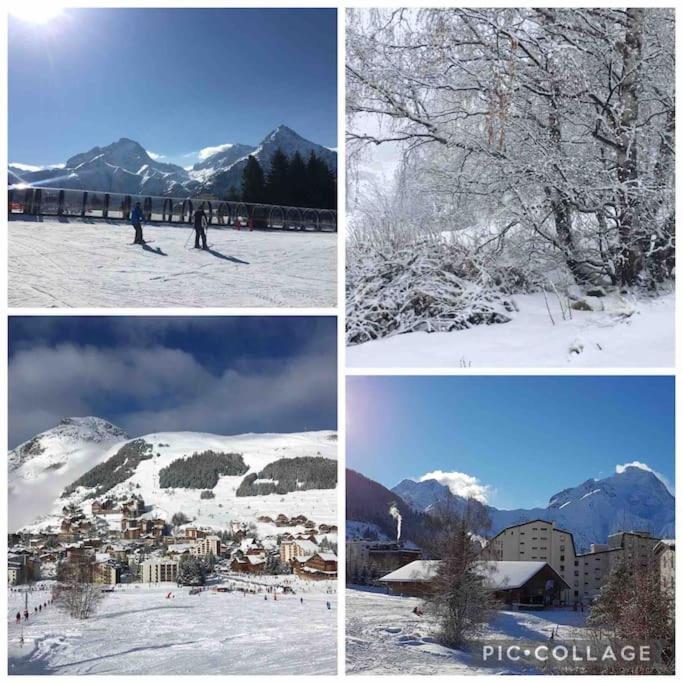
[(383, 636), (78, 264), (139, 631), (627, 334)]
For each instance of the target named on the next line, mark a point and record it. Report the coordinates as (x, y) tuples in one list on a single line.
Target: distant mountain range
[(126, 167), (87, 458), (632, 499)]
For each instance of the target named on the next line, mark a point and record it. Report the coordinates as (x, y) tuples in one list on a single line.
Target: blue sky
[(175, 80), (145, 374), (525, 438)]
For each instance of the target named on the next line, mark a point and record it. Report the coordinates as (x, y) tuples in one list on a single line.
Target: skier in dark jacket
[(200, 222), (136, 218)]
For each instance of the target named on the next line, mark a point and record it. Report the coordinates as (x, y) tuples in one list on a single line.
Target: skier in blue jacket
[(136, 218)]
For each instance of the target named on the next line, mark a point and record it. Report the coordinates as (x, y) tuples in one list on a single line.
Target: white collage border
[(341, 6)]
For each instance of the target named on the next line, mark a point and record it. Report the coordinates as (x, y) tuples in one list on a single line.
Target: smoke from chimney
[(394, 512)]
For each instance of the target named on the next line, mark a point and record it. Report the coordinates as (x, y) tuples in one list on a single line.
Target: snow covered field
[(626, 334), (138, 631), (383, 636), (94, 264)]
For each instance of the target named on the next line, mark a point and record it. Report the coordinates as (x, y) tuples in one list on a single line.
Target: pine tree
[(316, 170), (191, 571), (298, 180), (233, 195), (252, 181), (277, 180)]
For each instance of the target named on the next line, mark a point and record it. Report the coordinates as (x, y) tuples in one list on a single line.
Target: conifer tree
[(253, 182), (277, 180)]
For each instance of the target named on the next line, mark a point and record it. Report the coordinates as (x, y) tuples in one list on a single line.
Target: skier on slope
[(200, 223), (136, 218)]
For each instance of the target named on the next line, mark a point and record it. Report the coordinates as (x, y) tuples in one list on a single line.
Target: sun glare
[(35, 12)]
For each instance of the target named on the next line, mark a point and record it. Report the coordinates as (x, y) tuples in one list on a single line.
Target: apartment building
[(585, 573), (211, 545), (538, 541), (157, 570), (296, 548)]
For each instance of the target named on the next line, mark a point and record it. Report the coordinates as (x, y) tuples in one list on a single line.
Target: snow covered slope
[(257, 450), (52, 263), (628, 333), (40, 468), (136, 630), (632, 499)]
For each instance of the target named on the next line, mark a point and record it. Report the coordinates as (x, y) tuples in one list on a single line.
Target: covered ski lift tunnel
[(47, 201)]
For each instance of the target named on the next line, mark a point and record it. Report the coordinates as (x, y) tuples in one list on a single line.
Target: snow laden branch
[(560, 122)]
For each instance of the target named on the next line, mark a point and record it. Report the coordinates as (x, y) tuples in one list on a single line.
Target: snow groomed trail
[(137, 630), (93, 264)]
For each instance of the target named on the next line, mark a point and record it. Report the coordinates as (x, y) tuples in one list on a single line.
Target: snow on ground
[(94, 264), (137, 630), (383, 636), (627, 334)]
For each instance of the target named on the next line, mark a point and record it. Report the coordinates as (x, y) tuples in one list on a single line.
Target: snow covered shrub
[(430, 285)]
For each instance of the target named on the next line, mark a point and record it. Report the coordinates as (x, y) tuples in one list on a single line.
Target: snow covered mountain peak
[(73, 430), (224, 157), (632, 498), (632, 486), (125, 166)]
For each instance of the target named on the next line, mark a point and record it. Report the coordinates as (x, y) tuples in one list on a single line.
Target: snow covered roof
[(500, 575), (418, 570), (665, 543), (179, 547), (253, 559), (307, 546), (509, 574), (327, 557)]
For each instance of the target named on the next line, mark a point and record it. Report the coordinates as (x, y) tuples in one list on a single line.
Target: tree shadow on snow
[(141, 648), (113, 615)]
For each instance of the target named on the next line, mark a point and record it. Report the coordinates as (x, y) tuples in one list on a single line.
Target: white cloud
[(620, 469), (210, 151), (158, 388), (31, 167), (155, 156), (460, 484)]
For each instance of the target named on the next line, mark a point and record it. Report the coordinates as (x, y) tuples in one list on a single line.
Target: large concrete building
[(297, 548), (584, 573), (210, 545), (158, 570), (538, 541)]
